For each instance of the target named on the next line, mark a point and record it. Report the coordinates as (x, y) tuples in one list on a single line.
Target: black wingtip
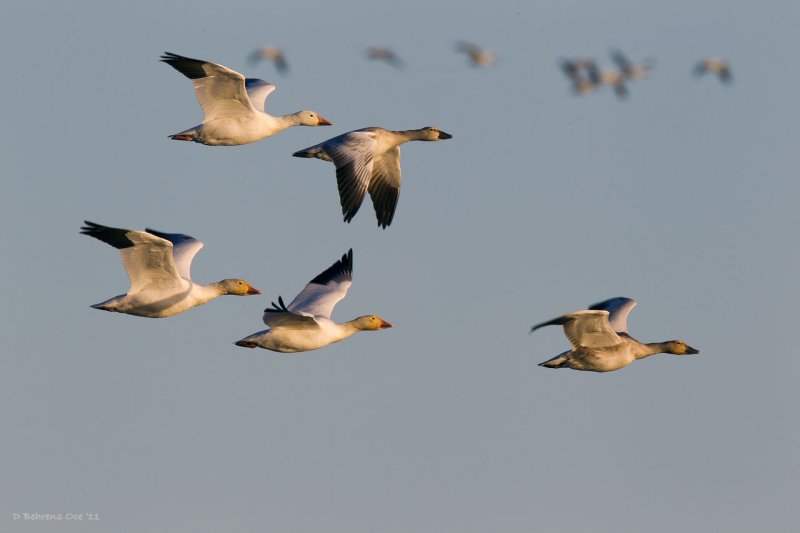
[(560, 321), (191, 68), (116, 237), (340, 270), (279, 307), (89, 227)]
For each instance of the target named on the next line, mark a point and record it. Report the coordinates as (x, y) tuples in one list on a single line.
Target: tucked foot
[(246, 344), (181, 137)]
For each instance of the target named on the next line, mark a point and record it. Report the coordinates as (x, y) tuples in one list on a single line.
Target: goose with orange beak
[(305, 324)]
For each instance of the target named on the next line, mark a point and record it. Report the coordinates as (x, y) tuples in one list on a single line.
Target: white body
[(305, 324), (158, 265), (288, 340), (233, 106)]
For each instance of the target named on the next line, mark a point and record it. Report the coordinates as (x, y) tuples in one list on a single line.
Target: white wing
[(184, 248), (147, 258), (588, 328), (257, 91), (278, 316), (618, 309), (220, 90), (321, 294)]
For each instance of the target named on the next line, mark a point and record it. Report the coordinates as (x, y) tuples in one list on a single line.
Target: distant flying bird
[(478, 57), (368, 160), (582, 73), (386, 55), (158, 266), (233, 106), (600, 340), (614, 79), (630, 70), (305, 324), (715, 65), (270, 53)]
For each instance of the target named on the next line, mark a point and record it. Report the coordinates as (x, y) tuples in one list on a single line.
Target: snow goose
[(616, 80), (272, 54), (631, 70), (158, 266), (368, 160), (384, 54), (233, 106), (600, 340), (305, 324), (478, 57), (715, 65), (583, 74)]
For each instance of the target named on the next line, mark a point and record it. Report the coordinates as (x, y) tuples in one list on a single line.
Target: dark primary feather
[(340, 270), (191, 68), (280, 307), (116, 237), (560, 321), (384, 200), (622, 61), (351, 191)]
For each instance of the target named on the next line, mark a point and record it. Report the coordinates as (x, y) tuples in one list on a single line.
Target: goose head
[(429, 133), (679, 348), (311, 118), (370, 323), (237, 287)]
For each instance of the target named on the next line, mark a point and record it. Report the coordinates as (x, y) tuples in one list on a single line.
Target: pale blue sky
[(683, 197)]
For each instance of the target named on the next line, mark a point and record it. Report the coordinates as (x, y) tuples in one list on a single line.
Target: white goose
[(715, 65), (385, 54), (600, 340), (305, 324), (478, 57), (272, 54), (158, 266), (233, 106), (368, 160), (631, 70)]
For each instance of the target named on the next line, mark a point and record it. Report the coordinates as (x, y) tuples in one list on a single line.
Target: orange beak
[(323, 122), (385, 324), (253, 290)]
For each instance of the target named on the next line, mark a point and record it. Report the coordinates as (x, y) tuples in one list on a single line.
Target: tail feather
[(559, 361), (313, 151), (307, 152)]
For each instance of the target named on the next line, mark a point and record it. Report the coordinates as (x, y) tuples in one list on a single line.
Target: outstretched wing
[(384, 187), (322, 293), (587, 328), (278, 316), (147, 258), (220, 90), (618, 309), (352, 154), (257, 91), (184, 248)]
